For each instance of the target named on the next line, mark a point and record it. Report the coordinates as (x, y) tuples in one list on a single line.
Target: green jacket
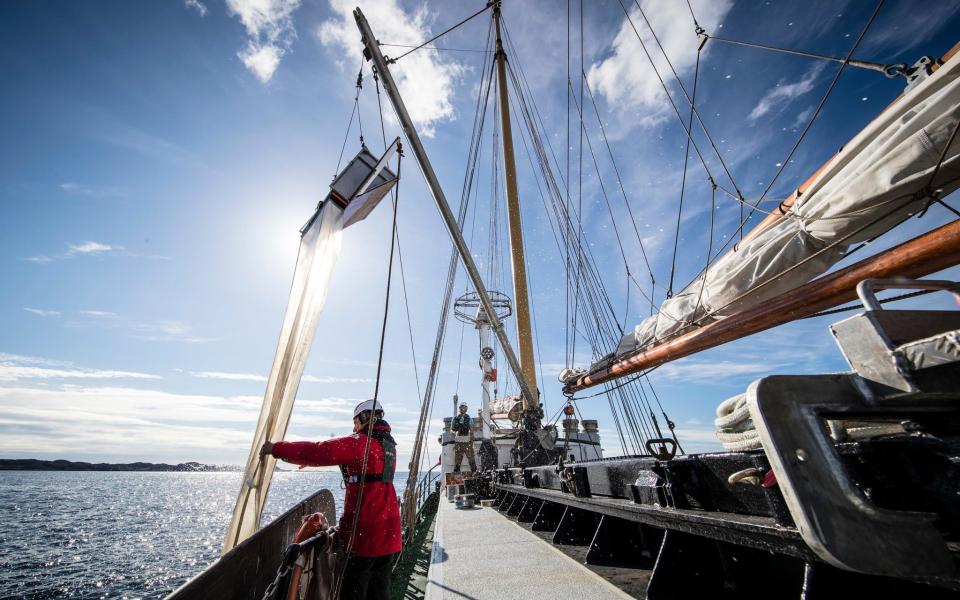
[(462, 424)]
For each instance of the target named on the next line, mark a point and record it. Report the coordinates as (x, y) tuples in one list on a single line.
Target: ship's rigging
[(638, 416)]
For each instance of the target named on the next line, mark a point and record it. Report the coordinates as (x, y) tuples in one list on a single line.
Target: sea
[(131, 535)]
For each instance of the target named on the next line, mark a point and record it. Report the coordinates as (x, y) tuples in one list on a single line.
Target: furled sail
[(877, 181), (319, 250)]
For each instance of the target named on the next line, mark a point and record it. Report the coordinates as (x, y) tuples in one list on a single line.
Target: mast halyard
[(521, 296)]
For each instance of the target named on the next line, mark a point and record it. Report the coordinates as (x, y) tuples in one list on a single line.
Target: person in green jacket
[(463, 439)]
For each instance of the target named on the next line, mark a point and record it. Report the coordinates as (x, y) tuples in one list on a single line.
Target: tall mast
[(520, 294), (390, 86)]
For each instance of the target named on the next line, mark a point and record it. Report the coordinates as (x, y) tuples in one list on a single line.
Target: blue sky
[(158, 159)]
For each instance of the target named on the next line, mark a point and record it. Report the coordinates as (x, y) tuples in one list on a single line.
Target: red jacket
[(378, 528)]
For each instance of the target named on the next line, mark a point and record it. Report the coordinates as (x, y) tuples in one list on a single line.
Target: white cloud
[(712, 371), (330, 379), (783, 94), (128, 423), (98, 313), (87, 248), (254, 377), (41, 312), (91, 247), (426, 80), (197, 6), (625, 78), (228, 376), (269, 25), (15, 368)]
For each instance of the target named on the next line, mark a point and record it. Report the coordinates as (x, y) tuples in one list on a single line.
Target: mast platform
[(479, 553)]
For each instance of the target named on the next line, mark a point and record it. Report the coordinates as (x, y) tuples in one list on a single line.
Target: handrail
[(423, 487)]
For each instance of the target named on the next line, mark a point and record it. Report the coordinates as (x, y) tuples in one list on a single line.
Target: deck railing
[(425, 486)]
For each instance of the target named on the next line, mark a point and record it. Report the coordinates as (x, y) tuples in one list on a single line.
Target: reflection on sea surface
[(122, 535)]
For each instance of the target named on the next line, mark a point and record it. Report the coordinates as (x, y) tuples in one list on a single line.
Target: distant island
[(32, 464)]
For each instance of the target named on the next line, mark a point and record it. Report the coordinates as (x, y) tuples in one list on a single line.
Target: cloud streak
[(151, 331), (41, 312), (17, 368), (262, 378), (783, 94)]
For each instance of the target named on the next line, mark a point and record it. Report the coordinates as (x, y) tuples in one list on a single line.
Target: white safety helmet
[(367, 405), (463, 405)]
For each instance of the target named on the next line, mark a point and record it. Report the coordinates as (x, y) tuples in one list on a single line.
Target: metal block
[(836, 519)]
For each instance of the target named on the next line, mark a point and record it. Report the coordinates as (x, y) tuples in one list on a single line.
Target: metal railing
[(425, 486)]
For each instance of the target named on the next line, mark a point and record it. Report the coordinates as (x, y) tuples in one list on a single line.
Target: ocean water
[(123, 535)]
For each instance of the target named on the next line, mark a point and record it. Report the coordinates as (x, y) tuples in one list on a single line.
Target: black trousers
[(367, 578)]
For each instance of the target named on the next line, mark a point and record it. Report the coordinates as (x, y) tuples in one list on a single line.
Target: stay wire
[(353, 112), (376, 393), (623, 191), (683, 89), (488, 6), (683, 181), (806, 129), (891, 70), (396, 232)]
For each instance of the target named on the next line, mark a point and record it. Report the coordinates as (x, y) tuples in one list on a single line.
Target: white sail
[(319, 250), (873, 184)]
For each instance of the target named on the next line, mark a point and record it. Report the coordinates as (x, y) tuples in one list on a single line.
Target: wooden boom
[(929, 253)]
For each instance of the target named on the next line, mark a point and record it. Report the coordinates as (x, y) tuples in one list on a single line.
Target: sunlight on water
[(122, 535)]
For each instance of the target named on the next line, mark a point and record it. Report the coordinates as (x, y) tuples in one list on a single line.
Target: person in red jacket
[(371, 547)]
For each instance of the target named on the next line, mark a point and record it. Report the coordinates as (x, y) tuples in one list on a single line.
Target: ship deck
[(479, 554)]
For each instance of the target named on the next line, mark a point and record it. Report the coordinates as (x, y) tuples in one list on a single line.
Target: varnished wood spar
[(929, 253)]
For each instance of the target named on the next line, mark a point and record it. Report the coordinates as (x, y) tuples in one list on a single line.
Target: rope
[(489, 5), (376, 387), (683, 181), (376, 394), (850, 307), (891, 70), (353, 111), (693, 108), (432, 48), (813, 118)]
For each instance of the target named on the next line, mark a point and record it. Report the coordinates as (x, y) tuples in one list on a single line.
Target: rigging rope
[(683, 89), (338, 581), (489, 5), (683, 181), (813, 118), (891, 70), (353, 111)]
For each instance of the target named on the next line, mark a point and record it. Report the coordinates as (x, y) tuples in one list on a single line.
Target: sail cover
[(319, 250), (873, 184)]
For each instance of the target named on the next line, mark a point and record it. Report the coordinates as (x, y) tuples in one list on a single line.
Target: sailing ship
[(829, 483)]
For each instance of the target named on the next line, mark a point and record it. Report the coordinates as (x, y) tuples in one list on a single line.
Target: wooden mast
[(521, 298), (929, 253)]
